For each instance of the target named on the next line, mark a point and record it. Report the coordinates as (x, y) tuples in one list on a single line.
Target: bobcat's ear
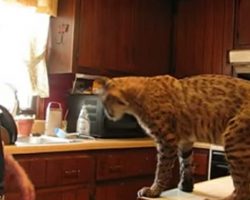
[(101, 84)]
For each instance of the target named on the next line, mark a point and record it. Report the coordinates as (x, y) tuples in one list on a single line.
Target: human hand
[(16, 177)]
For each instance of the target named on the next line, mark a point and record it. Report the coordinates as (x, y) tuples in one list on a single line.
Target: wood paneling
[(62, 176), (131, 36), (203, 36), (100, 174), (152, 37), (105, 34), (242, 29), (122, 190)]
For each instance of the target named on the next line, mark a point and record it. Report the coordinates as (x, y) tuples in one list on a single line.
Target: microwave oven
[(100, 125)]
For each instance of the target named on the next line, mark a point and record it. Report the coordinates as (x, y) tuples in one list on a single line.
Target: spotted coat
[(179, 112)]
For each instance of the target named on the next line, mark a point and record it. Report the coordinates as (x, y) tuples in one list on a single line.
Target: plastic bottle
[(83, 124), (53, 118)]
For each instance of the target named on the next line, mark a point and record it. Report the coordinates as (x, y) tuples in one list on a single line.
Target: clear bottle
[(83, 124)]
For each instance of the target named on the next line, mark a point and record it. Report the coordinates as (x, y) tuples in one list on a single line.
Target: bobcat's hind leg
[(237, 149), (185, 154)]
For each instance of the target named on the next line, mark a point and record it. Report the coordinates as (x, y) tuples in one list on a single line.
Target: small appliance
[(100, 125)]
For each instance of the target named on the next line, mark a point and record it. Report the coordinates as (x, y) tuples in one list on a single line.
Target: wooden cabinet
[(64, 193), (74, 193), (128, 35), (111, 37), (121, 173), (242, 28), (100, 175), (105, 37), (203, 36), (125, 163), (200, 164), (121, 189), (152, 32), (58, 177)]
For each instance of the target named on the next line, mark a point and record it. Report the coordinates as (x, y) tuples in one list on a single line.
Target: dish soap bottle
[(83, 124)]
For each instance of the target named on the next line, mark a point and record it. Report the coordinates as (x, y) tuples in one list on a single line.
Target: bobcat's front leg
[(167, 155)]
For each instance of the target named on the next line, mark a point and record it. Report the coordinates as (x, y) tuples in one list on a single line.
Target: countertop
[(85, 145), (213, 189), (90, 144), (93, 145)]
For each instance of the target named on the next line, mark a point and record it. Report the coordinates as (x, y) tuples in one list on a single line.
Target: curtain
[(24, 27), (43, 6)]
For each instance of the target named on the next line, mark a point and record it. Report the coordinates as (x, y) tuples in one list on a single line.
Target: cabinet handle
[(72, 173)]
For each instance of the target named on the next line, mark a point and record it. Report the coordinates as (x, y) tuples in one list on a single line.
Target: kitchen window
[(23, 36)]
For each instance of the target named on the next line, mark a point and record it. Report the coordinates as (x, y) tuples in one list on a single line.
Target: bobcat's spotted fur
[(179, 112)]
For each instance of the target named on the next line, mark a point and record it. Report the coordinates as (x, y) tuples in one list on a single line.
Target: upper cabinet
[(152, 31), (242, 28), (203, 36), (97, 36), (105, 34)]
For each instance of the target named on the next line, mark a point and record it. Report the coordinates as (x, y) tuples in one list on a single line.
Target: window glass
[(21, 30)]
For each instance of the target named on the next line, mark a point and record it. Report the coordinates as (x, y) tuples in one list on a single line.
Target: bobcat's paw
[(186, 185), (148, 192)]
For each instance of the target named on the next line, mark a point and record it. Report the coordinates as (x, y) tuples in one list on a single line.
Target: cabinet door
[(105, 34), (69, 170), (242, 24), (203, 36), (152, 29), (36, 170), (64, 194), (122, 190), (73, 193), (125, 163)]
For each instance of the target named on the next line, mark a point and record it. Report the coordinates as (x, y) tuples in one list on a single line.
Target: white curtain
[(43, 6), (23, 39)]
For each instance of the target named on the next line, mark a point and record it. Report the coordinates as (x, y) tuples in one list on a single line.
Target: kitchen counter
[(213, 189), (92, 145), (85, 145)]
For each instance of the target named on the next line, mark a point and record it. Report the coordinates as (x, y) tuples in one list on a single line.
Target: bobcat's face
[(112, 98)]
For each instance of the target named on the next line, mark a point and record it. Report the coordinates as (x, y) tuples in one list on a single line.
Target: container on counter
[(24, 125), (53, 120), (83, 124)]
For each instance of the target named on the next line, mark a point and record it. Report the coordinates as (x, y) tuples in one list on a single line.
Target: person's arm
[(15, 175)]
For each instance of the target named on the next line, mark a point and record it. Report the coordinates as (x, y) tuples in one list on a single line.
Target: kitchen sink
[(45, 140)]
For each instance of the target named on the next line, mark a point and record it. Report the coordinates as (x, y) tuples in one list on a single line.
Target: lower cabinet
[(58, 176), (122, 189), (115, 174), (72, 193)]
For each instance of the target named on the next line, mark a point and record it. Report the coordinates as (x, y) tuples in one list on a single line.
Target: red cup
[(24, 127)]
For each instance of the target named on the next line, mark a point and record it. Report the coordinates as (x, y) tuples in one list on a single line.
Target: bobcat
[(177, 113)]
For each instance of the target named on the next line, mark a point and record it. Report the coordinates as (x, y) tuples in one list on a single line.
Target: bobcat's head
[(112, 96)]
